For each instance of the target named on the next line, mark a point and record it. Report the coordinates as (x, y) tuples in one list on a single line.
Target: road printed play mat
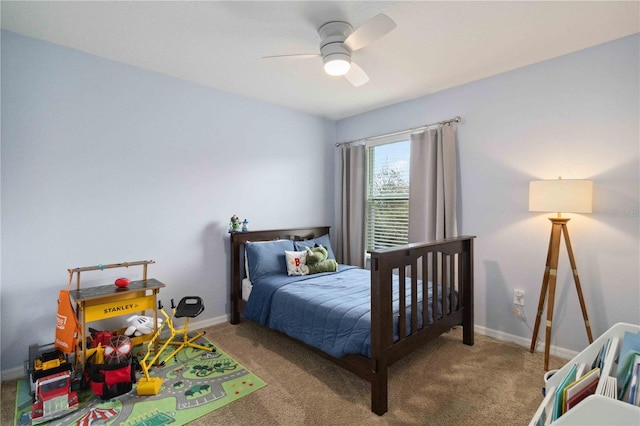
[(195, 383)]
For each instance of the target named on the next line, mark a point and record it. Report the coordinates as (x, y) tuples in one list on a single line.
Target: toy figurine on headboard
[(234, 224), (245, 225)]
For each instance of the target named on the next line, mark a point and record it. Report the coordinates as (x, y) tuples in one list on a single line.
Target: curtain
[(432, 192), (351, 249)]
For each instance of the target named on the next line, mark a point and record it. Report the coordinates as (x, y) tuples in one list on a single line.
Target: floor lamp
[(559, 195)]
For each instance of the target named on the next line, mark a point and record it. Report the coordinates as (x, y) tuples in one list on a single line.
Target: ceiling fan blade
[(297, 55), (370, 31), (356, 75)]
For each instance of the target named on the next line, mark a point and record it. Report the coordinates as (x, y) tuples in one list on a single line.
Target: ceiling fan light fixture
[(337, 64), (338, 40)]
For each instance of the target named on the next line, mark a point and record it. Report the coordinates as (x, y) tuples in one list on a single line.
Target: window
[(387, 194)]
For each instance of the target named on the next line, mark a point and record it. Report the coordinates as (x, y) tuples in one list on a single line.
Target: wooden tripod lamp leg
[(576, 280), (543, 296), (549, 283)]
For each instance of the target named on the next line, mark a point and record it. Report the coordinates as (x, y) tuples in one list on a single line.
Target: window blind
[(388, 195)]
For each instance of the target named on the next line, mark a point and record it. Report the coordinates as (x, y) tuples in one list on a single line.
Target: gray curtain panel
[(351, 249), (433, 177)]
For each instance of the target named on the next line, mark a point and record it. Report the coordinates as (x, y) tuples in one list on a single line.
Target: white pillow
[(296, 262)]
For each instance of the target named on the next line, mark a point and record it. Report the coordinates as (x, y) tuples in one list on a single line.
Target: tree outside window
[(388, 195)]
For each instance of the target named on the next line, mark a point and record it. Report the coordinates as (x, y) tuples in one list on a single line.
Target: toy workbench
[(108, 301)]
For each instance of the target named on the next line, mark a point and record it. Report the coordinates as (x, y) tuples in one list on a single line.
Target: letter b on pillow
[(296, 262)]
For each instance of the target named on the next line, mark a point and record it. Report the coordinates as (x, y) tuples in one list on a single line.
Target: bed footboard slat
[(452, 283), (425, 288), (402, 305), (433, 278), (414, 296)]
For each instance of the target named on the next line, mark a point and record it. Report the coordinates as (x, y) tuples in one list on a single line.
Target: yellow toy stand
[(188, 307)]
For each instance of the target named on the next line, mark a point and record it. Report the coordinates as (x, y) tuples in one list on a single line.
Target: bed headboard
[(238, 240)]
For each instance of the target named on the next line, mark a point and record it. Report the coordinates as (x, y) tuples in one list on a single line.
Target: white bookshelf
[(597, 409)]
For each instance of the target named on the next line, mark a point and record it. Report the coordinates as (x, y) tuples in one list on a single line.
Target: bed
[(363, 320)]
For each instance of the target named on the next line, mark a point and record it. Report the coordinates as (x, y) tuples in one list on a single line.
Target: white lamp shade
[(561, 195)]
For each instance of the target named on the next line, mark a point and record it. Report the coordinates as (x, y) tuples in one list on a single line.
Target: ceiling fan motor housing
[(333, 35)]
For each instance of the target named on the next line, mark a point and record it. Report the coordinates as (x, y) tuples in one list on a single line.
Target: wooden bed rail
[(448, 264)]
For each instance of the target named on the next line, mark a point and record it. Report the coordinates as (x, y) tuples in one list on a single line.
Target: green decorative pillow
[(317, 261)]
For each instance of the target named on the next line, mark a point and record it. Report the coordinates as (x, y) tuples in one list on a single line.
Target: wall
[(576, 116), (105, 163)]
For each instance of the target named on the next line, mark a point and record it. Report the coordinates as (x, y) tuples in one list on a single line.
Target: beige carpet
[(444, 383)]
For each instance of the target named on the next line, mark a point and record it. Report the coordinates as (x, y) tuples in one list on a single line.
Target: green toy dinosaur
[(317, 260)]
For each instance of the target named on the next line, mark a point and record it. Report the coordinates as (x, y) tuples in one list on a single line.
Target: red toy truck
[(53, 397)]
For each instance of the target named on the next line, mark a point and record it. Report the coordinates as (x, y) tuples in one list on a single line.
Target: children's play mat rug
[(195, 383)]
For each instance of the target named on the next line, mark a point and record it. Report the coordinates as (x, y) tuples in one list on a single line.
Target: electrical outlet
[(518, 297)]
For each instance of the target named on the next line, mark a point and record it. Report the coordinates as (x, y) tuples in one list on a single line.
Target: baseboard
[(525, 342), (13, 373), (18, 372), (196, 325)]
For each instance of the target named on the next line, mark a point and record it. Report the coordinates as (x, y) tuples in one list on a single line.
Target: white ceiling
[(437, 44)]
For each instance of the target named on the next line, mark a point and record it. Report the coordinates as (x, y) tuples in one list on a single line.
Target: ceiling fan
[(339, 40)]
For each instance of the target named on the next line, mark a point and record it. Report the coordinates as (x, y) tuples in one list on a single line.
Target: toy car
[(49, 361), (43, 362), (53, 398)]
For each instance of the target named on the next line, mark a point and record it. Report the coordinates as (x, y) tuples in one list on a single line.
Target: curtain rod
[(411, 130)]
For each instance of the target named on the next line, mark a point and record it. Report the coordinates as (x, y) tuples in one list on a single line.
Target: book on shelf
[(633, 387), (581, 370), (629, 349), (596, 360), (630, 343), (608, 385), (610, 389), (569, 378), (581, 388), (603, 353), (625, 370)]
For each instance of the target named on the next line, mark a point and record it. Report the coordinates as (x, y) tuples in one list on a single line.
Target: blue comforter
[(331, 311)]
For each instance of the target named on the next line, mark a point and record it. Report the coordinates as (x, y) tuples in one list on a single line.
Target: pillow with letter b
[(296, 262)]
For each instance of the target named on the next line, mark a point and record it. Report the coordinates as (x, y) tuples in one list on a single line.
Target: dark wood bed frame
[(451, 260)]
